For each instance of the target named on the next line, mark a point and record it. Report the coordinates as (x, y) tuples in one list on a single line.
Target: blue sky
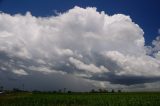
[(145, 13)]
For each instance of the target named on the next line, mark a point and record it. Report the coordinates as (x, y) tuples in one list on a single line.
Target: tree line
[(64, 90)]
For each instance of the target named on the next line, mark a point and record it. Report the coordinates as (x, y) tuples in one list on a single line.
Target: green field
[(80, 99)]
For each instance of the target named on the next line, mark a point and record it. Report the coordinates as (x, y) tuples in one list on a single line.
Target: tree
[(100, 90), (69, 91), (105, 91), (16, 90), (112, 91), (119, 91), (93, 91)]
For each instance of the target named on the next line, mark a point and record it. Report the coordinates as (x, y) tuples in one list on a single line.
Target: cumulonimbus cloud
[(81, 41)]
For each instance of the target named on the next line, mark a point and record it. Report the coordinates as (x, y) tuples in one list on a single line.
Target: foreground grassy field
[(80, 99)]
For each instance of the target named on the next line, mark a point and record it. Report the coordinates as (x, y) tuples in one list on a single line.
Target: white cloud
[(63, 52), (154, 48), (157, 55), (82, 38), (156, 44), (3, 68), (45, 70), (88, 68), (134, 66), (20, 72)]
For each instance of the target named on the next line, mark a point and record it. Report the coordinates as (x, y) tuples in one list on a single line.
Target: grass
[(80, 99)]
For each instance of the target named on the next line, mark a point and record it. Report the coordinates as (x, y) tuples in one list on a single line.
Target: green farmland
[(80, 99)]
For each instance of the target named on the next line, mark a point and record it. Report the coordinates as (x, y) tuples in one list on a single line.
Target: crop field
[(80, 99)]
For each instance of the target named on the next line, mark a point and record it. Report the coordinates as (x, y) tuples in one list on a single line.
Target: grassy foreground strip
[(81, 99)]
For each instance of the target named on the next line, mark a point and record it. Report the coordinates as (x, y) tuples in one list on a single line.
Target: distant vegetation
[(64, 90), (62, 97)]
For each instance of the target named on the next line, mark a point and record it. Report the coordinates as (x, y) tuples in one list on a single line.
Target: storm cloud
[(82, 43)]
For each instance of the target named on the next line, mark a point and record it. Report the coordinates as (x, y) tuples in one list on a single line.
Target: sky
[(80, 44)]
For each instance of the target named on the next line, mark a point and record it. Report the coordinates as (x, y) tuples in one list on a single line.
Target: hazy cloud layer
[(84, 44)]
